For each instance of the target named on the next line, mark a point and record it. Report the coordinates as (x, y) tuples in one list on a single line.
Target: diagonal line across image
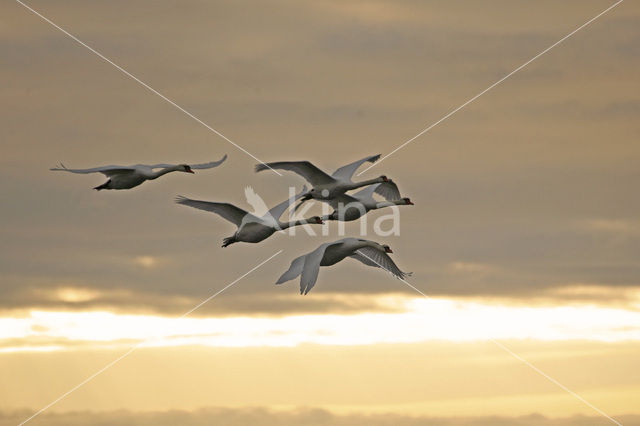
[(509, 351), (133, 348), (142, 83), (425, 130)]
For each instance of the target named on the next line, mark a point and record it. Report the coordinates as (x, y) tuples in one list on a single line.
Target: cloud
[(613, 226), (502, 183), (296, 417)]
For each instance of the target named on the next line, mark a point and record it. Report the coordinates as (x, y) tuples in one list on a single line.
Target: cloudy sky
[(525, 230)]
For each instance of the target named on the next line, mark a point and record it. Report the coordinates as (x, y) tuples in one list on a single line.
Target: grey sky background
[(531, 188)]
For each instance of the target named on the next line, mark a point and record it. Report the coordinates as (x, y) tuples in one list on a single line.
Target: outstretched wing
[(342, 201), (312, 268), (366, 194), (376, 258), (228, 211), (105, 170), (308, 266), (389, 190), (277, 211), (346, 172), (294, 270), (311, 173), (209, 165)]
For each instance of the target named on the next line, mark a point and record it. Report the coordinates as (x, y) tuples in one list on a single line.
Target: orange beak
[(388, 250)]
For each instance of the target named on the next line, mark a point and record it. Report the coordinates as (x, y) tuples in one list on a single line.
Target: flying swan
[(325, 187), (127, 177), (251, 228), (368, 252), (351, 207)]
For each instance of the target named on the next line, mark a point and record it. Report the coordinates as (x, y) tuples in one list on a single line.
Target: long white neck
[(356, 185), (165, 171), (285, 225), (382, 204)]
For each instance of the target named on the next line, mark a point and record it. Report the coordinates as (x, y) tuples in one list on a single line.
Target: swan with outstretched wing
[(127, 177), (368, 252), (251, 228)]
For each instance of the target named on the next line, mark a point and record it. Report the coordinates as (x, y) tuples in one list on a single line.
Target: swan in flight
[(327, 187), (368, 252), (127, 177), (251, 228), (352, 207)]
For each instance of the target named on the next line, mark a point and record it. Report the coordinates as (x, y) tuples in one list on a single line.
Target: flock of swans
[(253, 228)]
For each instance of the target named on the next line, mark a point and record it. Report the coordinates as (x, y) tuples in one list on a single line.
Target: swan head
[(407, 201), (316, 219), (315, 193), (383, 178), (185, 168), (387, 249)]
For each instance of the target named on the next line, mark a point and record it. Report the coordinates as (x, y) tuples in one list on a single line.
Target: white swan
[(127, 177), (351, 207), (251, 228), (368, 252), (327, 187)]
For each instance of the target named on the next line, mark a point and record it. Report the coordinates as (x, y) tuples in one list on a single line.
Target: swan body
[(327, 187), (352, 207), (127, 177), (368, 252), (251, 228)]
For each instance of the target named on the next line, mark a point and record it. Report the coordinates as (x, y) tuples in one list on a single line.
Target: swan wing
[(228, 211), (312, 268), (342, 200), (346, 172), (388, 190), (105, 170), (366, 194), (294, 270), (307, 170), (277, 211), (379, 259), (209, 165)]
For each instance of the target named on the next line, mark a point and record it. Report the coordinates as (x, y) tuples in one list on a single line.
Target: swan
[(368, 252), (326, 187), (127, 177), (351, 207), (251, 228)]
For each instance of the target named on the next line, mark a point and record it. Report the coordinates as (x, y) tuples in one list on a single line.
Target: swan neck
[(164, 171), (285, 225), (382, 204), (365, 183)]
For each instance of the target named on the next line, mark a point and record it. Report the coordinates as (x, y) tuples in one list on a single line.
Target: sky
[(525, 233)]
